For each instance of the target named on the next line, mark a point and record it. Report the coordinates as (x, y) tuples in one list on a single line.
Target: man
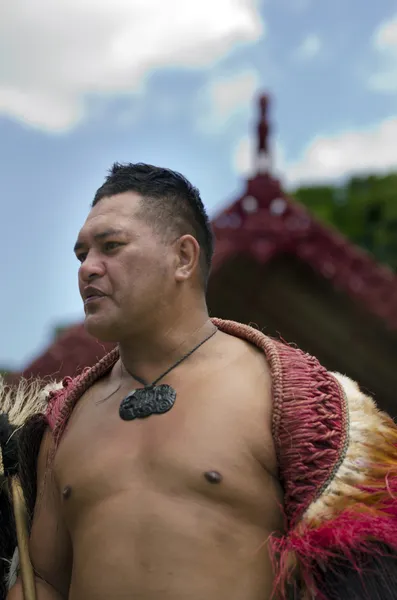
[(200, 459)]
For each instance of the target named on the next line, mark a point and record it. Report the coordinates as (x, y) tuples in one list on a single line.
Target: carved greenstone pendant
[(147, 401)]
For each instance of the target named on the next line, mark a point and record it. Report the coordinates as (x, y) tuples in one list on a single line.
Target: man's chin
[(99, 329)]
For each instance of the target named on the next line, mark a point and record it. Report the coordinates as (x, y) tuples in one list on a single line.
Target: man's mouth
[(92, 294), (93, 298)]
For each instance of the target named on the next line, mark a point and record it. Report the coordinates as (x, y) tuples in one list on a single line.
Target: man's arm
[(43, 591), (50, 546)]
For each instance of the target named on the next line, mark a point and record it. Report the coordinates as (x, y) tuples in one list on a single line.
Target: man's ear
[(187, 257)]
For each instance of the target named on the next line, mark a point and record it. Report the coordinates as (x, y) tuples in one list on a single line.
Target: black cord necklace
[(153, 399)]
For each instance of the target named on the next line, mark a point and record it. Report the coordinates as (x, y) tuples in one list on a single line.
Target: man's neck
[(151, 355)]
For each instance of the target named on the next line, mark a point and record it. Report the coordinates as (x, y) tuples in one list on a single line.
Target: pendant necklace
[(153, 399)]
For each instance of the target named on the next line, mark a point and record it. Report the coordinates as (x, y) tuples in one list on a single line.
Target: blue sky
[(171, 82)]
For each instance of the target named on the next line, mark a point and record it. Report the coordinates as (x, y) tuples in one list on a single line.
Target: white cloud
[(330, 158), (309, 48), (385, 44), (244, 156), (59, 53), (225, 97)]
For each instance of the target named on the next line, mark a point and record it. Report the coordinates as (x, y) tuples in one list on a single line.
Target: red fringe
[(360, 530)]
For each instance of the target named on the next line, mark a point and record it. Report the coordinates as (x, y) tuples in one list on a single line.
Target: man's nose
[(91, 268)]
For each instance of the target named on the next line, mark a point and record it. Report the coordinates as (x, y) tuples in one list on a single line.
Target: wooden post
[(20, 514)]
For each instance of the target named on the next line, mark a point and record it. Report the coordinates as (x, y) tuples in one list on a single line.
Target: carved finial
[(263, 156)]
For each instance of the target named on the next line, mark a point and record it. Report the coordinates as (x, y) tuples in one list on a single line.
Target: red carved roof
[(263, 222)]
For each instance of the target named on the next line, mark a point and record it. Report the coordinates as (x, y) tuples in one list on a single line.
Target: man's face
[(126, 269)]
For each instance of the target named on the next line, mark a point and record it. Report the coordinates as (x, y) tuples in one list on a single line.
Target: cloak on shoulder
[(337, 457)]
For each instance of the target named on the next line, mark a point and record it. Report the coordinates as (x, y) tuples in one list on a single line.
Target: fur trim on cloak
[(20, 405), (344, 547)]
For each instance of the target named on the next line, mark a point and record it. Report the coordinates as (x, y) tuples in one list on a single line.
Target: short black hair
[(171, 203)]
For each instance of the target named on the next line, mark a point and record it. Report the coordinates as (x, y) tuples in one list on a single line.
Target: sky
[(85, 83)]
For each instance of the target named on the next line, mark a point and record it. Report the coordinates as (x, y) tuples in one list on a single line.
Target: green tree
[(364, 210)]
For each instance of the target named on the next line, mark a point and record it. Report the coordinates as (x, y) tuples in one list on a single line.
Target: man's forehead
[(116, 212), (125, 204), (100, 227), (100, 230)]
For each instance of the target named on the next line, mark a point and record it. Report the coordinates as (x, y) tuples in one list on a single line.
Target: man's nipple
[(66, 492), (213, 476)]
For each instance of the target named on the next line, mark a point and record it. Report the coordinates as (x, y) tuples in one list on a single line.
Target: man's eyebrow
[(99, 236)]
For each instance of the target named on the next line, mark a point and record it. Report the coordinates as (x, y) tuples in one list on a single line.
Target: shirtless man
[(178, 505)]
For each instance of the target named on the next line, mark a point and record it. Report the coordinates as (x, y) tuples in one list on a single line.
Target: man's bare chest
[(203, 447)]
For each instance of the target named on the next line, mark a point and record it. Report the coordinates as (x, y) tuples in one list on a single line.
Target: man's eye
[(111, 245), (81, 257)]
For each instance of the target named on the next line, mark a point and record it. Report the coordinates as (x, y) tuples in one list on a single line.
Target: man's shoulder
[(62, 401), (278, 353)]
